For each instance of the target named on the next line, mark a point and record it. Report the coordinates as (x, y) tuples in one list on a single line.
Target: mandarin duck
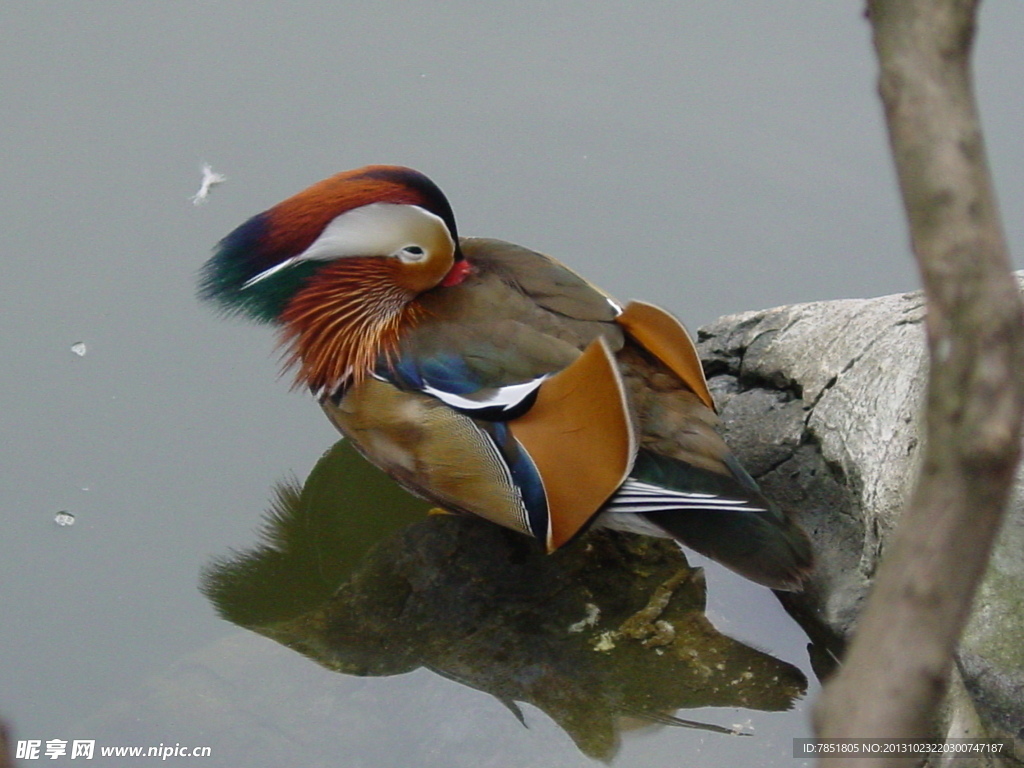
[(492, 380)]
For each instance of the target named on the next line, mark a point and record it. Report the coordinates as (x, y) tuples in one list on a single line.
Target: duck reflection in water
[(603, 635)]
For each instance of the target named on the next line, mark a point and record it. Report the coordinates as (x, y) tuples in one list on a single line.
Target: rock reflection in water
[(605, 634)]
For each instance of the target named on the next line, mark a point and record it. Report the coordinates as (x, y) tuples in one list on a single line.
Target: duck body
[(501, 384)]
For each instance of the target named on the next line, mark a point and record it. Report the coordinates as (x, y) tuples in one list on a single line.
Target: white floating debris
[(743, 729), (210, 179), (593, 614), (64, 518), (79, 348)]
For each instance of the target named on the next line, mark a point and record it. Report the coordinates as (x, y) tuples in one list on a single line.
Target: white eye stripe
[(377, 229), (268, 272)]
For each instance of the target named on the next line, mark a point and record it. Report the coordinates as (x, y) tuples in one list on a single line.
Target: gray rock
[(822, 403)]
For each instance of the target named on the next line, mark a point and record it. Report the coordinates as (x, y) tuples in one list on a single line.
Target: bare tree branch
[(898, 664)]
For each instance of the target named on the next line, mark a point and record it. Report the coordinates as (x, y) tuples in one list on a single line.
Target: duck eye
[(411, 254)]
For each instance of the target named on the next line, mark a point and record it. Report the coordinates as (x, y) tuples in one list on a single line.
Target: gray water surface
[(710, 158)]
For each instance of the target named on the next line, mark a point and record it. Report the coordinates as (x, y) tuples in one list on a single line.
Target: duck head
[(338, 267)]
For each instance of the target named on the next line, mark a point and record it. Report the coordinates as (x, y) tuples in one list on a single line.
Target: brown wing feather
[(665, 337), (580, 435)]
